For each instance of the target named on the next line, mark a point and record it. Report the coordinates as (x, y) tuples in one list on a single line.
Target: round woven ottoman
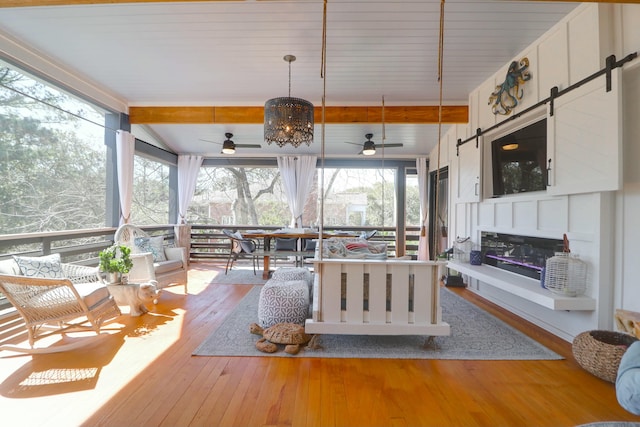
[(283, 302), (288, 273), (600, 352)]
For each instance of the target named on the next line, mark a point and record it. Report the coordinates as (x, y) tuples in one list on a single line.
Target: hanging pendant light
[(288, 120)]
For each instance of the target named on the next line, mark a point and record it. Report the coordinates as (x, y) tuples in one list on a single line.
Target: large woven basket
[(599, 352)]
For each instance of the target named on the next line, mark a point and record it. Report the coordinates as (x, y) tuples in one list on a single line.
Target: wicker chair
[(173, 271), (69, 303)]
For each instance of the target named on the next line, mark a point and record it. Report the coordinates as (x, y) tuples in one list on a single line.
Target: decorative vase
[(475, 257)]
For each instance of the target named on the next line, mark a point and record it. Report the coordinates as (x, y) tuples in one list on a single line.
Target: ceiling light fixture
[(288, 120), (228, 146), (510, 147), (369, 148)]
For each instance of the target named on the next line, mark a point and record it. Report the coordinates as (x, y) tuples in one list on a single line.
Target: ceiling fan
[(369, 147), (229, 147)]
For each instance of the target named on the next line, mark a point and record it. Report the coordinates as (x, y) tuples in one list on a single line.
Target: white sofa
[(171, 271)]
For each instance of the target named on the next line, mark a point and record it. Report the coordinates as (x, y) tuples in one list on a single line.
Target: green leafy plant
[(116, 259)]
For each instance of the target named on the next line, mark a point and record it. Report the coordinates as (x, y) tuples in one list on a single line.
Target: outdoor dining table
[(268, 235)]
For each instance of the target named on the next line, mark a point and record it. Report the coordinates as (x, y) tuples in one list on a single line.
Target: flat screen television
[(519, 160)]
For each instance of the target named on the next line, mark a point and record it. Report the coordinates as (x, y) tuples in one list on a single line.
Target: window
[(52, 146), (150, 203), (254, 196), (359, 197), (240, 195)]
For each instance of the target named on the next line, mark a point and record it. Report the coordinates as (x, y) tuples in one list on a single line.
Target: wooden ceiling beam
[(32, 3), (334, 115)]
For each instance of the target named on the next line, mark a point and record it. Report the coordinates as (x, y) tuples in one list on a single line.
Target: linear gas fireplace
[(519, 254)]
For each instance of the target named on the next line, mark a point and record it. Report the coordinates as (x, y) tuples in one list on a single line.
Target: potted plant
[(115, 261)]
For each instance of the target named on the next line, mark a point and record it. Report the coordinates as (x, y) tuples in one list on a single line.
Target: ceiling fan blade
[(353, 143), (248, 145), (391, 145), (213, 142)]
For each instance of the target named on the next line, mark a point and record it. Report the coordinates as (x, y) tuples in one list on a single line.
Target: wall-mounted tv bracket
[(611, 64)]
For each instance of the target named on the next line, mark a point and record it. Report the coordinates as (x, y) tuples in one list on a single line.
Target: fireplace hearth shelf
[(523, 287)]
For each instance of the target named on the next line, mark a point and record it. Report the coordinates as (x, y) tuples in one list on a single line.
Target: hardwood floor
[(143, 374)]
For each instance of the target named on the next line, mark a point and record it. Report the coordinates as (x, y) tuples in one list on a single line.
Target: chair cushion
[(285, 244), (92, 293), (154, 245), (169, 265), (628, 379), (9, 266), (248, 246), (45, 266), (310, 245)]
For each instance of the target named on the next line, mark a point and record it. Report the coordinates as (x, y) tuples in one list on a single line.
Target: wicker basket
[(599, 352)]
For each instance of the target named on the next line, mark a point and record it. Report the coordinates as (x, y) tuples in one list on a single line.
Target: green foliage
[(55, 174), (116, 259)]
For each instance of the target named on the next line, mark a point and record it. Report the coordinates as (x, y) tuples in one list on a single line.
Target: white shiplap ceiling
[(230, 54)]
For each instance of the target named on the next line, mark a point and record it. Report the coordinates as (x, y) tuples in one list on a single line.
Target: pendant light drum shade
[(288, 121)]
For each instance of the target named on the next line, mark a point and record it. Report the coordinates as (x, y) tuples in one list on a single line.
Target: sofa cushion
[(45, 266), (154, 245), (169, 265)]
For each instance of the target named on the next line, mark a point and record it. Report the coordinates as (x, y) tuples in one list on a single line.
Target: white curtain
[(125, 147), (188, 168), (297, 174), (423, 174)]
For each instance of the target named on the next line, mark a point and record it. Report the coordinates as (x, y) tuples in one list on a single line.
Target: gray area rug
[(239, 276), (475, 335)]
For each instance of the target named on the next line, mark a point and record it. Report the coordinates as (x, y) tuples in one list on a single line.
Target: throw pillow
[(154, 245), (628, 380), (45, 266)]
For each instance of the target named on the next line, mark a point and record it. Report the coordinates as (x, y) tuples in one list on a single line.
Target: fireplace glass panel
[(519, 254)]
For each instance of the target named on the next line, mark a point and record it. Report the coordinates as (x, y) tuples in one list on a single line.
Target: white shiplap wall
[(601, 226)]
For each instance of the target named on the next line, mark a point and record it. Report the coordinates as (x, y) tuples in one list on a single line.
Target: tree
[(56, 178), (252, 196)]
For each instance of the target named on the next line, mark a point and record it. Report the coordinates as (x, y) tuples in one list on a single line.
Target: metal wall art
[(505, 98)]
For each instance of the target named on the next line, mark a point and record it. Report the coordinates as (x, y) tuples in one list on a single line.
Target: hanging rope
[(384, 137), (323, 67), (440, 79), (323, 74)]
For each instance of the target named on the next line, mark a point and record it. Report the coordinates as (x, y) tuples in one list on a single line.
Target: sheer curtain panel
[(188, 168), (125, 147), (297, 174)]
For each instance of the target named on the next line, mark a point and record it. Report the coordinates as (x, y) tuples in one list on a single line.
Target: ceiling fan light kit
[(288, 120), (228, 146), (369, 148)]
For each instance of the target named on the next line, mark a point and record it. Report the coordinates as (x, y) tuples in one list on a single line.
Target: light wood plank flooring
[(143, 374)]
